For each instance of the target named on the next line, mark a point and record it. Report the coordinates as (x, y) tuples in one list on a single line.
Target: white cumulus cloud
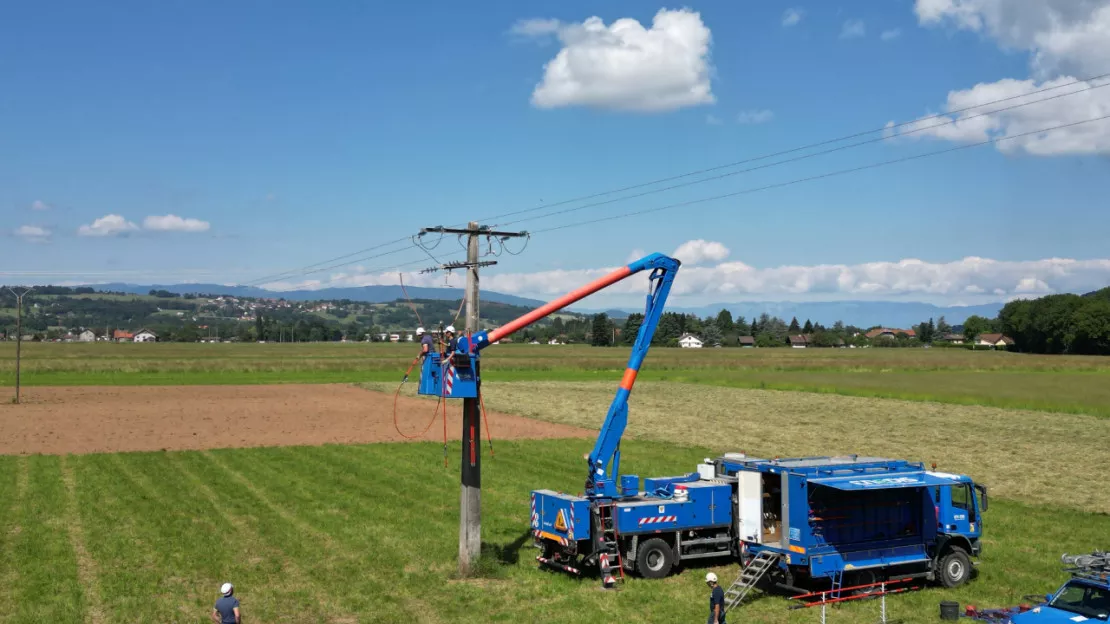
[(973, 125), (791, 17), (699, 251), (108, 225), (852, 29), (38, 204), (624, 66), (174, 223), (1065, 40), (891, 35), (33, 233), (757, 116)]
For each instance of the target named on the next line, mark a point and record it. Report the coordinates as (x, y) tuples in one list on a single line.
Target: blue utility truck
[(836, 521)]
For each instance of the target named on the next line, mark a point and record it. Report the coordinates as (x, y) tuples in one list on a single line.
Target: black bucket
[(950, 611)]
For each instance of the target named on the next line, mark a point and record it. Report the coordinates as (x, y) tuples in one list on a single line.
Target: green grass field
[(369, 534), (1073, 384)]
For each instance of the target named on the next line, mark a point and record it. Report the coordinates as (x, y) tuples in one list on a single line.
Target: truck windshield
[(1086, 600)]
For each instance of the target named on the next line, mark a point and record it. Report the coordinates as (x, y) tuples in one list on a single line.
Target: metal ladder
[(837, 583), (749, 577), (608, 544)]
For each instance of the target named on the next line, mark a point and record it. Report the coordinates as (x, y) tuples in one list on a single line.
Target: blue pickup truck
[(1085, 597)]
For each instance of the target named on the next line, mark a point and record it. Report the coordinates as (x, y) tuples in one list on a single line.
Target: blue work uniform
[(428, 341), (225, 606), (717, 598), (452, 344)]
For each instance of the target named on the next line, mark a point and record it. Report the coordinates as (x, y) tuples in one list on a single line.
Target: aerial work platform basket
[(453, 377)]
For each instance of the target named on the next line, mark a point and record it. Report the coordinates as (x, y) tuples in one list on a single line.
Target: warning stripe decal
[(658, 520)]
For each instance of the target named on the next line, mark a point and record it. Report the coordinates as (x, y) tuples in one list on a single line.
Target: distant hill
[(366, 294), (858, 313)]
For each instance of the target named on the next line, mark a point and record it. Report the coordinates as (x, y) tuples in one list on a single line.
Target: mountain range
[(859, 313), (368, 294)]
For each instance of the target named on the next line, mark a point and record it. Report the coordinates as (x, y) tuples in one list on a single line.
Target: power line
[(301, 273), (284, 274), (841, 172), (304, 270), (792, 150), (804, 156)]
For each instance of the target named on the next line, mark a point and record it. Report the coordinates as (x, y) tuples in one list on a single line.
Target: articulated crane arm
[(601, 480)]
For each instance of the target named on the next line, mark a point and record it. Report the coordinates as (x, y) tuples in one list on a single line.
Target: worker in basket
[(427, 343), (452, 342)]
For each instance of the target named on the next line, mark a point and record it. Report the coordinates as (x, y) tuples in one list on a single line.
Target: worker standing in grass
[(716, 600), (226, 610)]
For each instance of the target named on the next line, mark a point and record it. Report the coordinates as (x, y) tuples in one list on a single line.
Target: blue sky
[(265, 136)]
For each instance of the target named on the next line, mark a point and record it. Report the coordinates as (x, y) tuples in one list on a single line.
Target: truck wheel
[(954, 568), (654, 559)]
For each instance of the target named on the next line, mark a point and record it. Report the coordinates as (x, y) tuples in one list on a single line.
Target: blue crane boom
[(606, 452)]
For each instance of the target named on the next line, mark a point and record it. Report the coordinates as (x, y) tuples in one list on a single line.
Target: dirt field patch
[(111, 419)]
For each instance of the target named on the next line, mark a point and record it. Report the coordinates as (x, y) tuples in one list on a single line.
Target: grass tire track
[(295, 575), (87, 569)]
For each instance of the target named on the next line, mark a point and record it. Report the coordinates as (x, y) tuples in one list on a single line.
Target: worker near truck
[(226, 610), (716, 600)]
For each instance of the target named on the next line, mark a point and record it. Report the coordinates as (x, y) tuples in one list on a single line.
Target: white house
[(689, 341), (145, 335), (87, 336)]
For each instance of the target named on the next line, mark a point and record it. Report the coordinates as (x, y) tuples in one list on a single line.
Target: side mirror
[(1048, 597), (982, 490)]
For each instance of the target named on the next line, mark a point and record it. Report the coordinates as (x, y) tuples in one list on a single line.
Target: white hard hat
[(419, 330), (450, 328), (710, 578), (226, 589)]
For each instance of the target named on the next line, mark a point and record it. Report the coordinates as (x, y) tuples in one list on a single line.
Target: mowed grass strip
[(46, 587), (1035, 457), (375, 529)]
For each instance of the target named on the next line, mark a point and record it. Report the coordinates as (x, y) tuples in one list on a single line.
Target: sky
[(255, 142)]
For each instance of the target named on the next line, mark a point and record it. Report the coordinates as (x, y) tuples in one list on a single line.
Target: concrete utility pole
[(18, 335), (470, 494)]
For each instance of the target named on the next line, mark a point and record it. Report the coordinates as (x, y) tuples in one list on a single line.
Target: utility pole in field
[(18, 335), (470, 494)]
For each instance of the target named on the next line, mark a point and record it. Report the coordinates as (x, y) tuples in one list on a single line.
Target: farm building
[(994, 340), (689, 341), (145, 335), (87, 336), (122, 335), (952, 338), (746, 341), (799, 342)]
